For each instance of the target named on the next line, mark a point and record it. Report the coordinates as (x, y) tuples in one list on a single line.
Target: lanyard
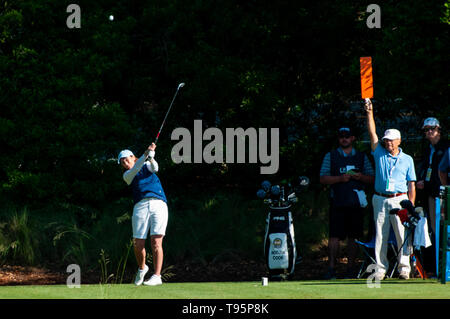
[(431, 154), (391, 170)]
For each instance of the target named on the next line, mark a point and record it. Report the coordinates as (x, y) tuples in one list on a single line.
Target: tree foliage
[(72, 98)]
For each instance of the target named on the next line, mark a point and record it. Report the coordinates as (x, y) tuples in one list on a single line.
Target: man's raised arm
[(371, 125)]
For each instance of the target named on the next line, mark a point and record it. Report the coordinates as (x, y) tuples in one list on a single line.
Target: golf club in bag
[(280, 250), (409, 217)]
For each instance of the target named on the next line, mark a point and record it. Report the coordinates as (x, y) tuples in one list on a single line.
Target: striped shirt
[(325, 170)]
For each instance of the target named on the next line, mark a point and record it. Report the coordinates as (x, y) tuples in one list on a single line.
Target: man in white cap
[(394, 181), (150, 212)]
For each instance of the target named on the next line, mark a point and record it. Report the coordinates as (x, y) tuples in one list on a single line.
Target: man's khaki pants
[(383, 220)]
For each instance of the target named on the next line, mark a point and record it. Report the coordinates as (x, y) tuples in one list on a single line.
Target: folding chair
[(369, 253)]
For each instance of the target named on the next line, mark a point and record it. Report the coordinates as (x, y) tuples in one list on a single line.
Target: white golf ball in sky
[(111, 17)]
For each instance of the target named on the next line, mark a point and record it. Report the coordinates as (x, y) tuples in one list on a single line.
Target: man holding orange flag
[(394, 182)]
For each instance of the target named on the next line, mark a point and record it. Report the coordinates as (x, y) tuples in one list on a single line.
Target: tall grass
[(118, 276), (74, 244), (203, 227), (19, 243), (229, 225)]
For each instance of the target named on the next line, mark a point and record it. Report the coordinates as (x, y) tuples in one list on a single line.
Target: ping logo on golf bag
[(279, 218)]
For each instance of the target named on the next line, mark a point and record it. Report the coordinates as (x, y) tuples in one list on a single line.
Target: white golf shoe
[(153, 281), (140, 276)]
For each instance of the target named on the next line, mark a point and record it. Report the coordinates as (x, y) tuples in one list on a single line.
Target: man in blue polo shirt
[(394, 181)]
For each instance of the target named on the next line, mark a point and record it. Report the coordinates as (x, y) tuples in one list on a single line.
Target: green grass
[(336, 289)]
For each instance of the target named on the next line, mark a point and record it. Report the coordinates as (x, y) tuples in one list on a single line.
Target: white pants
[(149, 214), (383, 221)]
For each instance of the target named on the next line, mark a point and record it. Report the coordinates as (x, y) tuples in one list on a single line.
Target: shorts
[(149, 214), (346, 222)]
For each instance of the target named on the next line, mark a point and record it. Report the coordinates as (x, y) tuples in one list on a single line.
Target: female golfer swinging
[(150, 210)]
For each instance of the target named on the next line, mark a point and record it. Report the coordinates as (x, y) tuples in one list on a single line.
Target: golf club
[(176, 92)]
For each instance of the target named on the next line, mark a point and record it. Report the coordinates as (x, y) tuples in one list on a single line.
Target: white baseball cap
[(392, 134), (124, 153), (430, 121)]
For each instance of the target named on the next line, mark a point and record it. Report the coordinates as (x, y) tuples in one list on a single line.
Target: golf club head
[(293, 198), (403, 215), (261, 194), (419, 211), (406, 203), (265, 185), (303, 181), (394, 211), (275, 190), (302, 185)]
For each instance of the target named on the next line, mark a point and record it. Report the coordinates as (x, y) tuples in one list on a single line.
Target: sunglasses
[(426, 129)]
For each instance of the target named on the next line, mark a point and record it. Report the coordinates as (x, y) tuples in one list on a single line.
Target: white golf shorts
[(149, 214)]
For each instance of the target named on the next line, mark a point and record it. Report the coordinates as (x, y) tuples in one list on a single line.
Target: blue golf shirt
[(397, 169)]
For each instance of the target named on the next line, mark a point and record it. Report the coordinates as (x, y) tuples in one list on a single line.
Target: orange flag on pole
[(366, 77)]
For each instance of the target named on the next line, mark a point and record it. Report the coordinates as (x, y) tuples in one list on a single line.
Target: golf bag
[(279, 242)]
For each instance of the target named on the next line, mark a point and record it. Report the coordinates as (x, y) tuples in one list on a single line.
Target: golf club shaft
[(167, 113)]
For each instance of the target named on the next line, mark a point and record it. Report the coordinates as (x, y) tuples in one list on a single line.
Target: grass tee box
[(335, 289)]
